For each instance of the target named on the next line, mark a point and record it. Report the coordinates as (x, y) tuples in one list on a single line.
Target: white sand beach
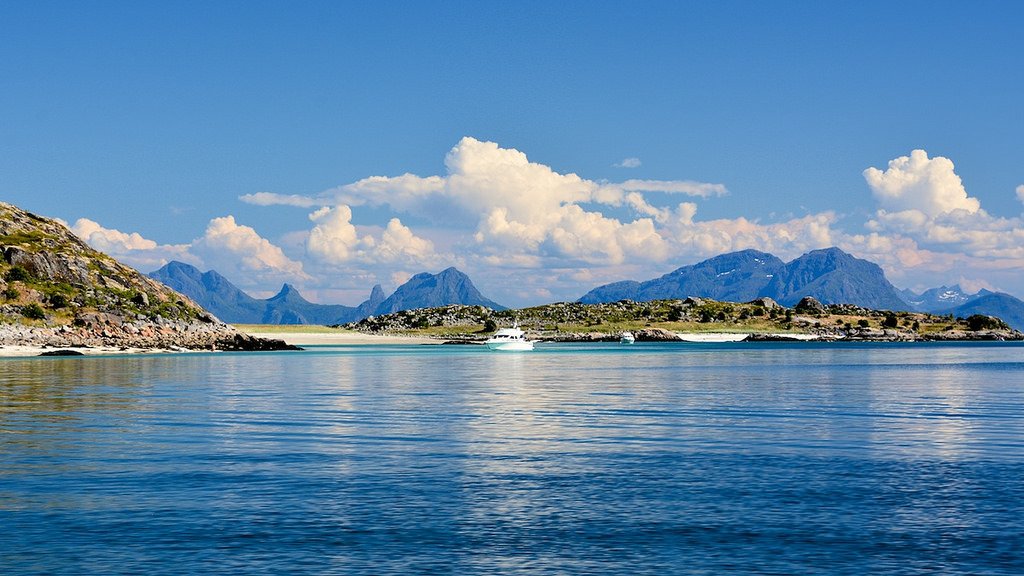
[(294, 338), (20, 351), (320, 337)]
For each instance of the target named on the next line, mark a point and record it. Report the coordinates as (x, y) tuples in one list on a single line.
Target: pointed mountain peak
[(178, 265), (424, 290), (288, 292), (176, 268), (376, 294)]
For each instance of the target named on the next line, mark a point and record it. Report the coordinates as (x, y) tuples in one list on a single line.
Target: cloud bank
[(528, 233)]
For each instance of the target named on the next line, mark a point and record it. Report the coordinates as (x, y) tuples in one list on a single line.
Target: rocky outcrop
[(766, 303), (110, 331), (655, 335), (48, 265), (809, 305), (56, 291)]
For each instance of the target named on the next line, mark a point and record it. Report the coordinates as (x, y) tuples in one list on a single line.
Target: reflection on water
[(568, 460)]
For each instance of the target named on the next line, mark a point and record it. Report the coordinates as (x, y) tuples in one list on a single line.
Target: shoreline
[(31, 351), (319, 337), (334, 338)]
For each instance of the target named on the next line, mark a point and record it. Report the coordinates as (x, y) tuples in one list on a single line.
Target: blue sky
[(152, 128)]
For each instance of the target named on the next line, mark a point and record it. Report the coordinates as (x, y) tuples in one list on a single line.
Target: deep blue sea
[(572, 459)]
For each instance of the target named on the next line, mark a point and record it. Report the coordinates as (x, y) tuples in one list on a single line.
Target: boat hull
[(521, 346)]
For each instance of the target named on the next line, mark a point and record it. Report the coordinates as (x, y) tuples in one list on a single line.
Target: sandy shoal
[(341, 338)]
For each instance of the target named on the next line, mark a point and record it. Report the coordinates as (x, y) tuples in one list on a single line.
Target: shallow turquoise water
[(573, 459)]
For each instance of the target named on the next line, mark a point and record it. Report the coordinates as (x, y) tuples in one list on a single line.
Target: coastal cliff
[(55, 291)]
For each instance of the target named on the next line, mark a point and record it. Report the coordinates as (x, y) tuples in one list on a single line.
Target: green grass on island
[(570, 320)]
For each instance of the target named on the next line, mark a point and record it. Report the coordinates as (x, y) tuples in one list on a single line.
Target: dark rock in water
[(62, 353), (245, 343), (758, 337)]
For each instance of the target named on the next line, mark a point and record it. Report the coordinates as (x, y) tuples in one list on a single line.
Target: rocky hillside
[(56, 291)]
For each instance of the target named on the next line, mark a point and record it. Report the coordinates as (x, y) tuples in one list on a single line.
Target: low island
[(762, 319)]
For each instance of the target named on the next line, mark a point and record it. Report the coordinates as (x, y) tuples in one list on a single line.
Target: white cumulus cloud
[(522, 210), (1020, 193), (108, 240), (240, 253), (501, 212), (919, 183), (924, 199), (334, 240), (130, 248), (399, 244), (631, 162)]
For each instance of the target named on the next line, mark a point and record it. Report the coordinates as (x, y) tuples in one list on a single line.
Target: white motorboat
[(627, 338), (510, 340)]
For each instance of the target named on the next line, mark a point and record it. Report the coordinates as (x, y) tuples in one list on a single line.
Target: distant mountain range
[(998, 304), (218, 295), (941, 298), (830, 275)]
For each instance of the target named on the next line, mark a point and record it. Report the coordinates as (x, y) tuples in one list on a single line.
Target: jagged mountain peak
[(288, 292), (288, 306), (426, 290), (377, 293), (735, 276), (942, 298), (830, 275)]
